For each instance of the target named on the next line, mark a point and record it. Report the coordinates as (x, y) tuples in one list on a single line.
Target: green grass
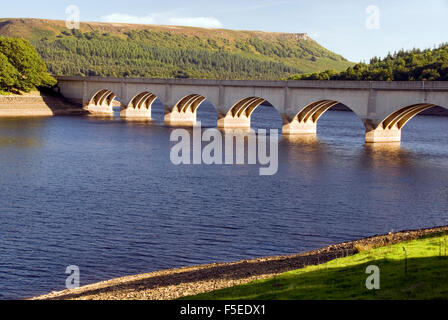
[(345, 278)]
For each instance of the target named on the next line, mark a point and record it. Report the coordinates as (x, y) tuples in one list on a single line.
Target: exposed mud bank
[(37, 105)]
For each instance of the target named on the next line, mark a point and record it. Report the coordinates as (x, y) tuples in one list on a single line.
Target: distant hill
[(127, 50)]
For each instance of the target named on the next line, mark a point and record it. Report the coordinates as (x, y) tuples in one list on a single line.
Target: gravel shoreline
[(184, 282)]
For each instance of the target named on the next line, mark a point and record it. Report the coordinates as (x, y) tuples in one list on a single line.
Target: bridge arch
[(315, 111), (140, 106), (240, 114), (185, 111), (245, 107), (190, 103), (143, 100), (102, 102), (103, 97), (389, 129), (398, 119), (305, 121)]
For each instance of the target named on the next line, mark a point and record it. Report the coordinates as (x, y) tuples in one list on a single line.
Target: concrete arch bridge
[(383, 107)]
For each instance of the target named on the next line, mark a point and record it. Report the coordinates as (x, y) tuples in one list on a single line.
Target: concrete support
[(384, 106), (299, 128), (231, 122), (175, 118), (139, 107), (380, 135), (305, 122), (135, 113), (100, 110)]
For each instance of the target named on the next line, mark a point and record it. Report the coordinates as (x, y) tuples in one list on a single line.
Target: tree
[(32, 71), (8, 74)]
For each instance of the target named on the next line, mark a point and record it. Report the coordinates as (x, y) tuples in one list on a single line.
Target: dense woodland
[(98, 55), (128, 50), (149, 53), (21, 67), (430, 64)]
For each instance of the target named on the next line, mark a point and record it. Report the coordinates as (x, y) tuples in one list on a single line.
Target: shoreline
[(36, 104), (183, 282)]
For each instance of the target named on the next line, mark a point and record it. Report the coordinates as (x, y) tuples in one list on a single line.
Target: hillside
[(413, 65), (126, 50)]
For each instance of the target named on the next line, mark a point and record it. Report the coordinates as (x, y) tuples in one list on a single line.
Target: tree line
[(412, 65)]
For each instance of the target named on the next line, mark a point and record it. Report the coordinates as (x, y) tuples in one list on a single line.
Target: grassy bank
[(412, 270), (195, 280)]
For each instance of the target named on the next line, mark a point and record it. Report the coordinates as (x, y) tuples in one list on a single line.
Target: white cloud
[(164, 19), (315, 35), (126, 18), (204, 22), (259, 6)]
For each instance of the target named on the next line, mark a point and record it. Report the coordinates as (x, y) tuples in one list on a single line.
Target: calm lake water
[(103, 195)]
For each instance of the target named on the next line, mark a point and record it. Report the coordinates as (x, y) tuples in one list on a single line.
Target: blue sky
[(339, 25)]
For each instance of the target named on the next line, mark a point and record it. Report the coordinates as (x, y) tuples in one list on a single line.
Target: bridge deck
[(331, 84)]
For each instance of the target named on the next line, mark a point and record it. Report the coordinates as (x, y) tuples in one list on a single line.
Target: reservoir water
[(103, 195)]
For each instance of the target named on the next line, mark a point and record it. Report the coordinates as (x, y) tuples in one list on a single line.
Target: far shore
[(190, 281)]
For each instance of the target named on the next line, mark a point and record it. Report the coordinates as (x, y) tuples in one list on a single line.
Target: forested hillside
[(118, 50), (430, 64)]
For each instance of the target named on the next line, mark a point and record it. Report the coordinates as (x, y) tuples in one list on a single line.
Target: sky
[(356, 29)]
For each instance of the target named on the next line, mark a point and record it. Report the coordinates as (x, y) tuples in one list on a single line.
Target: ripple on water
[(103, 195)]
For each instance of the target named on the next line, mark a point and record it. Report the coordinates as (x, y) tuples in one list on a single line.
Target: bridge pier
[(380, 135), (140, 107), (100, 110), (185, 118), (384, 106), (234, 122), (299, 128), (135, 113)]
